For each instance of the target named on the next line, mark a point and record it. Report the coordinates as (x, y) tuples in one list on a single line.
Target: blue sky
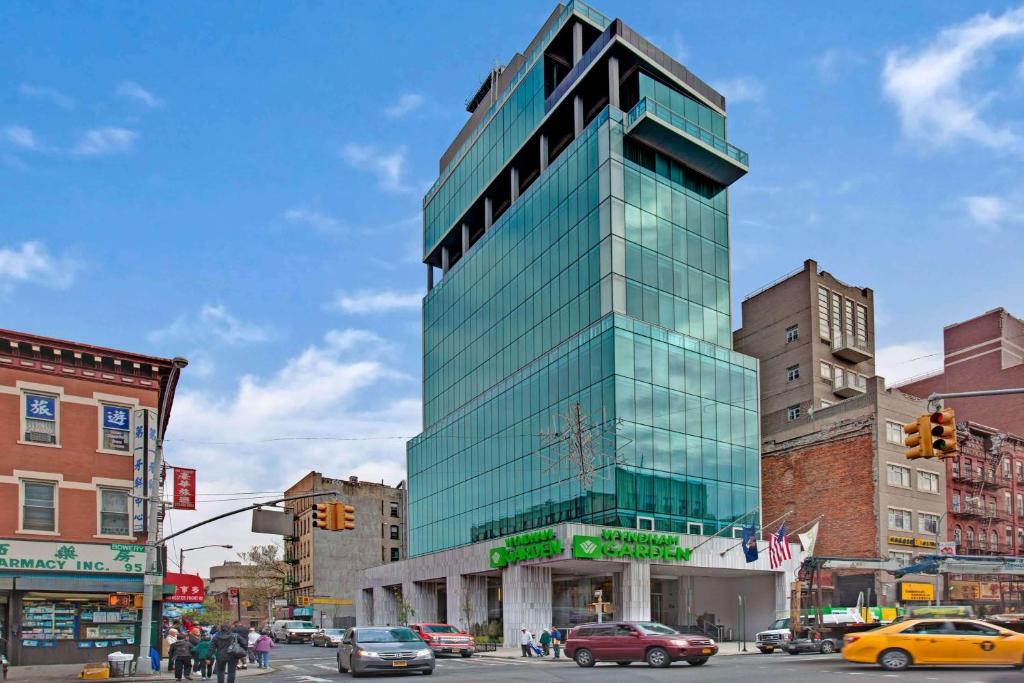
[(244, 188)]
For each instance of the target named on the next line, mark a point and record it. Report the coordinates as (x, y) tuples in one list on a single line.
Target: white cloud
[(406, 104), (927, 85), (105, 141), (20, 136), (992, 211), (741, 89), (32, 262), (831, 63), (312, 219), (212, 324), (333, 408), (133, 91), (369, 301), (51, 95), (388, 167), (900, 362)]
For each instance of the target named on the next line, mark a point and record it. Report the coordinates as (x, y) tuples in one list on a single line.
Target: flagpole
[(762, 527), (715, 535)]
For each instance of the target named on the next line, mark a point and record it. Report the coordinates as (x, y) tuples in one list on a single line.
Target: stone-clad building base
[(475, 588)]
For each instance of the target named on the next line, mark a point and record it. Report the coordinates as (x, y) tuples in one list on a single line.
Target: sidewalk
[(69, 672), (724, 649)]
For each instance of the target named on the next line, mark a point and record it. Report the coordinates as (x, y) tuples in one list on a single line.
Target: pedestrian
[(526, 642), (252, 637), (241, 630), (263, 646), (556, 642), (545, 642), (170, 639), (202, 658), (181, 654), (228, 648)]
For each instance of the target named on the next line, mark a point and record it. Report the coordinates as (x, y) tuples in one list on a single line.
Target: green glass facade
[(606, 283)]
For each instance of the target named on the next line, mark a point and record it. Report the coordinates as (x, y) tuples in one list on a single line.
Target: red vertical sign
[(233, 596), (184, 489)]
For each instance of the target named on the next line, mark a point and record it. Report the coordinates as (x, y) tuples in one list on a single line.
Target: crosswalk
[(484, 661)]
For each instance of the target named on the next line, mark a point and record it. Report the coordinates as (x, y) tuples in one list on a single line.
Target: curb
[(239, 675)]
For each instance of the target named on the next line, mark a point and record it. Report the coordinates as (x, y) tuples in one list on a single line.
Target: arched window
[(970, 537), (993, 538), (957, 533)]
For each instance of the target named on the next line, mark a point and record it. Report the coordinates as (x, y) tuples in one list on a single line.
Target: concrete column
[(445, 261), (687, 615), (543, 152), (577, 115), (467, 600), (577, 42), (430, 277), (364, 607), (526, 600), (465, 238), (514, 181), (613, 81), (422, 599), (488, 213), (385, 606), (636, 592)]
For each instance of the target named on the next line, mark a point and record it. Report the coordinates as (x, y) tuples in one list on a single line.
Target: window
[(792, 333), (826, 371), (927, 524), (1020, 470), (394, 509), (837, 315), (894, 432), (927, 627), (1020, 538), (969, 628), (899, 476), (981, 539), (792, 373), (1006, 469), (928, 481), (991, 507), (958, 535), (899, 519), (1009, 536), (970, 537), (901, 557), (116, 425), (38, 506), (823, 326), (394, 532), (848, 319), (113, 512), (1020, 506), (956, 501), (993, 537), (695, 528), (837, 376), (1008, 503), (40, 413), (395, 554), (793, 413), (645, 523), (862, 324)]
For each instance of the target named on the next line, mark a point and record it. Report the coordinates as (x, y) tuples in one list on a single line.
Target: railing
[(850, 341), (570, 78), (646, 105), (851, 380)]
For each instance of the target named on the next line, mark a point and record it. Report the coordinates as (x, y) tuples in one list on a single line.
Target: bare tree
[(582, 447), (264, 575)]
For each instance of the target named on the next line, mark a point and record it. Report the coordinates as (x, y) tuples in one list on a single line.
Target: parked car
[(935, 641), (625, 642), (292, 631), (820, 645), (773, 638), (446, 638), (367, 649), (327, 637)]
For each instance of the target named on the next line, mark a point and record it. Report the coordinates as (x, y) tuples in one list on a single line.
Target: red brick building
[(986, 352), (78, 428)]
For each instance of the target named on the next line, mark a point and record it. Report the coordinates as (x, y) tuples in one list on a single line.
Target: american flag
[(778, 548)]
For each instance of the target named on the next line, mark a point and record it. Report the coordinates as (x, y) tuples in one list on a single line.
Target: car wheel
[(766, 650), (623, 663), (657, 657), (341, 669), (700, 661), (827, 647), (428, 672), (894, 660), (466, 653), (584, 658), (793, 652)]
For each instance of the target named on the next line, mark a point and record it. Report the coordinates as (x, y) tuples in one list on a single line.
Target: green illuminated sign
[(640, 545), (531, 546)]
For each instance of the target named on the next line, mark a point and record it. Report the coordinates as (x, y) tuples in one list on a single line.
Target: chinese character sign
[(38, 407), (116, 417), (139, 473), (184, 489)]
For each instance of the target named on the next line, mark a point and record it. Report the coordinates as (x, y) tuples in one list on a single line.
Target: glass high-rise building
[(580, 228)]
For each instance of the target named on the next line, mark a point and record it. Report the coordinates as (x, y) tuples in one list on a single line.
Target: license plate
[(399, 663), (706, 651)]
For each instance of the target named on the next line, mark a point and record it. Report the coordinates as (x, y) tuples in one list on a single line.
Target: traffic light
[(345, 516), (323, 516), (918, 447), (943, 432)]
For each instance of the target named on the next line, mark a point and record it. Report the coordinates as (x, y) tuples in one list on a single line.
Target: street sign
[(947, 548), (233, 597)]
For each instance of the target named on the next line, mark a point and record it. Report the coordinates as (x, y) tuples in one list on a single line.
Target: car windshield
[(386, 635), (300, 624), (440, 629), (781, 623), (654, 628)]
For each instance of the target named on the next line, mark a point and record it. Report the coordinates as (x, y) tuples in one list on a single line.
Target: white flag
[(808, 538)]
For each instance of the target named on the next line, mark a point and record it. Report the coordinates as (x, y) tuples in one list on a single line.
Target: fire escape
[(984, 484)]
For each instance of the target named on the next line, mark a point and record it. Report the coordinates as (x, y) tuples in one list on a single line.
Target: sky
[(242, 185)]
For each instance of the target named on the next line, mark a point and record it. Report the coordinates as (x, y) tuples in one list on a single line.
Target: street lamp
[(181, 553)]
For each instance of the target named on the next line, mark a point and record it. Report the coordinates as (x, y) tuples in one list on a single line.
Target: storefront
[(56, 597), (563, 575)]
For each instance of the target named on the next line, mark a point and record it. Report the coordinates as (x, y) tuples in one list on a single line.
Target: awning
[(79, 583)]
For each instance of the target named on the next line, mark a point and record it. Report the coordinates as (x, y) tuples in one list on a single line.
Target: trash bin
[(120, 664)]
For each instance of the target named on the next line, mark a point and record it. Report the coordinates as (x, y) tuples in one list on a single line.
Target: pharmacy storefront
[(54, 597), (566, 574)]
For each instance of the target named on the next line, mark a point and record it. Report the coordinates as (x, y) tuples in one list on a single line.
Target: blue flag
[(750, 543)]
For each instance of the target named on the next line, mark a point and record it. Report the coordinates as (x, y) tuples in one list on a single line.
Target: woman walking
[(228, 647), (262, 647)]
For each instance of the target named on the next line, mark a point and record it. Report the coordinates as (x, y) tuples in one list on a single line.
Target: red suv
[(625, 642), (445, 638)]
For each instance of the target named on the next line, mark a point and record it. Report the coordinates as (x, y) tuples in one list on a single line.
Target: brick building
[(985, 352), (78, 427)]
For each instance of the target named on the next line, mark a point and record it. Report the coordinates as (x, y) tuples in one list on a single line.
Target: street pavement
[(305, 664)]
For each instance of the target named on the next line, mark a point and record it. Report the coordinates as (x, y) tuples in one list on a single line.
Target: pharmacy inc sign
[(640, 545), (531, 546), (122, 558)]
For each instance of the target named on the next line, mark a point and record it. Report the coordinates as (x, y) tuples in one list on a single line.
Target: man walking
[(526, 642), (556, 642), (545, 642)]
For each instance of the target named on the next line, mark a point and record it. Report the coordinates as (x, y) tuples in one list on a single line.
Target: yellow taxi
[(935, 641)]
